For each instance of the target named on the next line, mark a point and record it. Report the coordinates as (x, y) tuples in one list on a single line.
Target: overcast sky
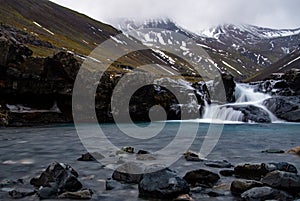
[(194, 14)]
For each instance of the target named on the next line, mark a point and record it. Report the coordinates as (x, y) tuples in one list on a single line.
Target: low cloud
[(194, 14)]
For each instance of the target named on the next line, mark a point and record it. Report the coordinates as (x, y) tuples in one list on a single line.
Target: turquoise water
[(25, 152)]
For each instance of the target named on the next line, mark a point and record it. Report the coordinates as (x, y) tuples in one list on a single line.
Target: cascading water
[(244, 95)]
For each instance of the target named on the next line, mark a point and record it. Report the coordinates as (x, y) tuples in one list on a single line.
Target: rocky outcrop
[(240, 186), (221, 83), (286, 108)]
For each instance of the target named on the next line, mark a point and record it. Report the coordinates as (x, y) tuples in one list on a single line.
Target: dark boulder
[(227, 173), (287, 181), (257, 171), (191, 156), (240, 186), (251, 171), (162, 184), (265, 193), (292, 77), (252, 113), (56, 179), (201, 177), (284, 108)]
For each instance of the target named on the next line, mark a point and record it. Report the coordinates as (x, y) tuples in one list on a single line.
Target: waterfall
[(244, 95)]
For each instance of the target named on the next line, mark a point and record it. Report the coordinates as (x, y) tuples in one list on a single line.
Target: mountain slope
[(60, 26)]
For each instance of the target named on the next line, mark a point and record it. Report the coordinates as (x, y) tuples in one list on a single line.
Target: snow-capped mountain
[(243, 50)]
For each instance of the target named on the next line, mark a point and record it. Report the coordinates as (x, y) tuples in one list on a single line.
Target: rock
[(214, 193), (48, 192), (257, 171), (86, 157), (282, 166), (162, 184), (273, 151), (110, 184), (21, 193), (227, 173), (240, 186), (252, 113), (184, 197), (201, 177), (191, 156), (145, 157), (221, 83), (264, 193), (292, 78), (251, 171), (295, 150), (143, 152), (62, 65), (283, 108), (4, 119), (130, 172), (128, 149), (57, 178), (287, 181), (79, 195), (10, 183), (219, 164), (11, 51), (90, 157)]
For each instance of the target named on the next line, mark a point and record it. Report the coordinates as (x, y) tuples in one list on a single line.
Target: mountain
[(243, 50), (288, 62)]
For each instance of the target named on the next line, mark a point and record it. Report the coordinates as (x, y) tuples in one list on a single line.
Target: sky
[(194, 15)]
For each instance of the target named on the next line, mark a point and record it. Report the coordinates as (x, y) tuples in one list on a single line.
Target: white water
[(245, 95)]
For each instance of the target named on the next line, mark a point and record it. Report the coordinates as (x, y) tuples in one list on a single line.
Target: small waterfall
[(244, 95)]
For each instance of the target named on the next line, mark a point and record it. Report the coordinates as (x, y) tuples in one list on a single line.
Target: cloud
[(194, 14)]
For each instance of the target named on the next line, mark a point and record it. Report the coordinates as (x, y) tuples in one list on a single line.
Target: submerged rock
[(265, 193), (21, 193), (201, 177), (184, 197), (219, 164), (273, 151), (79, 195), (240, 186), (130, 172), (162, 184), (90, 157)]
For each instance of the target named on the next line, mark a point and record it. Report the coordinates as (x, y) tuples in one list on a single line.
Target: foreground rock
[(201, 177), (287, 181), (162, 184), (130, 172), (57, 179), (257, 171), (265, 193), (240, 186)]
